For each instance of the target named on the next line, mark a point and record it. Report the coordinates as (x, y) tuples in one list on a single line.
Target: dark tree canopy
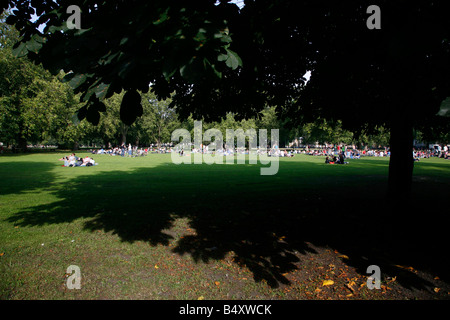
[(402, 67), (128, 45), (218, 58), (188, 49)]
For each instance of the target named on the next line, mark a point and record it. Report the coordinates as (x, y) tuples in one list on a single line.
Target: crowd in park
[(338, 155), (429, 153), (349, 153), (131, 151), (227, 151)]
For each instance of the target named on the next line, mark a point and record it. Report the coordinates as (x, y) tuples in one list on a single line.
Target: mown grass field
[(145, 228)]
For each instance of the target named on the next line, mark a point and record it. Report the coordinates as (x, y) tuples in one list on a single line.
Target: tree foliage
[(125, 45), (197, 51)]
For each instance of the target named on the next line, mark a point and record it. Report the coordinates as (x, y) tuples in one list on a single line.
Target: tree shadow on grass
[(268, 222), (24, 176)]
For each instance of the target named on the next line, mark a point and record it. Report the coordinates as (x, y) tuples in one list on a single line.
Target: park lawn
[(145, 228)]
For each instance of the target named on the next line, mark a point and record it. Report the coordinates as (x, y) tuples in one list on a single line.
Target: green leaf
[(101, 90), (87, 95), (21, 50), (233, 60), (445, 108), (163, 17), (35, 43), (77, 80), (222, 57), (123, 41)]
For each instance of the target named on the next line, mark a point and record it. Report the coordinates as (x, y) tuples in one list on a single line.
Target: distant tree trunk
[(401, 162), (75, 146), (159, 137), (124, 134), (22, 144)]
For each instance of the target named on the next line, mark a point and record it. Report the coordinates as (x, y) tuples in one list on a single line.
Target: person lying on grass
[(74, 161)]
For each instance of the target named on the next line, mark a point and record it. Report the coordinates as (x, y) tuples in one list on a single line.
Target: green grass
[(144, 228)]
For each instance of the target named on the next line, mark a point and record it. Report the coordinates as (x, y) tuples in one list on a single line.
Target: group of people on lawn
[(74, 161), (335, 160)]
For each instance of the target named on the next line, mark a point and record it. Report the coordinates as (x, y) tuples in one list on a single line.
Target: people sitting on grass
[(123, 151), (335, 160), (74, 161)]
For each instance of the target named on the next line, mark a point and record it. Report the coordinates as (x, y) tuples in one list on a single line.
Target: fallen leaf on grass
[(156, 266), (350, 286), (201, 298), (385, 288), (327, 283), (437, 290), (217, 283)]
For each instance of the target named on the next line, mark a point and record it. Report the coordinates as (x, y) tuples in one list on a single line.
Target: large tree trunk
[(22, 144), (401, 162), (403, 105)]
